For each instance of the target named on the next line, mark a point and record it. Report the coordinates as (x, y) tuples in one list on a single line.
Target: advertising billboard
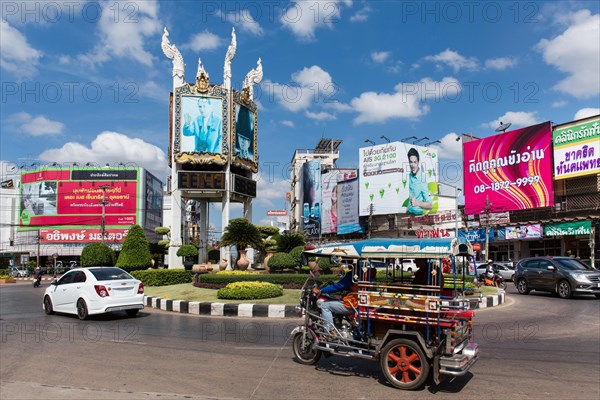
[(509, 171), (520, 232), (329, 209), (477, 235), (311, 197), (577, 148), (398, 177), (73, 198), (348, 220), (153, 206)]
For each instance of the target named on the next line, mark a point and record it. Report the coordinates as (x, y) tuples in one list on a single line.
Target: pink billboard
[(510, 171)]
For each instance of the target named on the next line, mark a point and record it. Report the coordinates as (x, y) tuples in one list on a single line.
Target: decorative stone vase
[(188, 265), (313, 266), (243, 263), (222, 264), (267, 258)]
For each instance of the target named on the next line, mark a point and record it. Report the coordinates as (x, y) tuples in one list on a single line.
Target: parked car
[(562, 275), (19, 272), (408, 265), (506, 273), (94, 290)]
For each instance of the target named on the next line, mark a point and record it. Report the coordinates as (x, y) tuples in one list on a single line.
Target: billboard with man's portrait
[(245, 146), (398, 177)]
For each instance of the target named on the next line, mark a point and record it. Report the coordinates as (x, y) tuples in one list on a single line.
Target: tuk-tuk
[(413, 324)]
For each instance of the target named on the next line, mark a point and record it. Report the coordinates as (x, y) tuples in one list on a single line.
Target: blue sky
[(87, 81)]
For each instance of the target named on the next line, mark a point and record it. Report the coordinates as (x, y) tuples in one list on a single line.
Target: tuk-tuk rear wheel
[(404, 364)]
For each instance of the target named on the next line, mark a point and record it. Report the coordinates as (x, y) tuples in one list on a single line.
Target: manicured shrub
[(249, 291), (97, 254), (325, 264), (135, 253), (278, 279), (4, 272), (281, 261), (187, 252), (237, 272), (296, 253), (214, 255), (163, 277)]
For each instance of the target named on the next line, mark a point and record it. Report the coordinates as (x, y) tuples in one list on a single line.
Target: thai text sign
[(477, 235), (568, 228), (577, 148), (48, 236), (276, 213), (62, 197), (510, 171), (347, 196)]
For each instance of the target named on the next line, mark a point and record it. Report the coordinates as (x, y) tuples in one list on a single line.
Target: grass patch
[(185, 291)]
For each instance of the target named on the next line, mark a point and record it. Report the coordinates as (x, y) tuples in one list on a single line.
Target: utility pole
[(103, 202), (486, 210), (370, 220), (37, 259)]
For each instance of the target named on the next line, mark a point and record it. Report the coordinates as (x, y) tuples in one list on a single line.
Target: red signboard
[(276, 213), (49, 236), (75, 197), (510, 171)]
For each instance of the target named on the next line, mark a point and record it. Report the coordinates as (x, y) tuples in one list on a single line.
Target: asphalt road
[(536, 346)]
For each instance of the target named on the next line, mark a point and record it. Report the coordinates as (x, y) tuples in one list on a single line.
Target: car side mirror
[(551, 268), (54, 282)]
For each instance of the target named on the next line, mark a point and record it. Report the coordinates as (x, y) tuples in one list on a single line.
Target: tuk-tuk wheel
[(306, 354), (404, 364)]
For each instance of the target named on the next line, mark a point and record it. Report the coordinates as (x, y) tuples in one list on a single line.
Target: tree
[(135, 253), (289, 240), (241, 234), (188, 252), (97, 254)]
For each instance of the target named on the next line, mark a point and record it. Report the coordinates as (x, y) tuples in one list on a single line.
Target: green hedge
[(163, 277), (4, 272), (249, 291), (281, 261), (278, 279)]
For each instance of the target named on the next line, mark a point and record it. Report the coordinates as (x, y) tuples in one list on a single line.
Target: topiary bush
[(249, 291), (325, 264), (214, 256), (135, 253), (296, 253), (281, 261), (163, 277), (97, 254)]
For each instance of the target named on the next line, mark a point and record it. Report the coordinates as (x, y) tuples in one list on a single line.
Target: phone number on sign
[(503, 185)]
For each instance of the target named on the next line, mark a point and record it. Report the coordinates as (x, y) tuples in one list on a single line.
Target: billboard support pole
[(487, 227)]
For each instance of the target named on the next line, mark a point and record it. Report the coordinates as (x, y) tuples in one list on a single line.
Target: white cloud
[(575, 52), (123, 37), (586, 112), (500, 63), (36, 126), (244, 20), (559, 103), (308, 86), (111, 147), (287, 122), (320, 116), (450, 148), (303, 18), (380, 56), (204, 41), (17, 56), (517, 119), (455, 60), (405, 102), (270, 192), (361, 15)]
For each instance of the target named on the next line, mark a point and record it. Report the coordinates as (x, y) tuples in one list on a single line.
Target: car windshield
[(110, 274), (573, 264)]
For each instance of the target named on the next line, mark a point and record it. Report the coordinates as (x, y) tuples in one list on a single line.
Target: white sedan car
[(506, 273), (94, 290)]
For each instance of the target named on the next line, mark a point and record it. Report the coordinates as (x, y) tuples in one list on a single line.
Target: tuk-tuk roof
[(401, 248)]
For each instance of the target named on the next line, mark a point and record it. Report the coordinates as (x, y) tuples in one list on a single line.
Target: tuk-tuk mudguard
[(416, 336)]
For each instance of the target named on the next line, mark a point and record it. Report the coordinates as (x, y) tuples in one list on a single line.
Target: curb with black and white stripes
[(265, 310)]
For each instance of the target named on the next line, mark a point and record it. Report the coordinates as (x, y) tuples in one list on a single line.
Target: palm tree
[(241, 234)]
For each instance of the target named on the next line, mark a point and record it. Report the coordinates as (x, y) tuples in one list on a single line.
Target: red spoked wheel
[(404, 364)]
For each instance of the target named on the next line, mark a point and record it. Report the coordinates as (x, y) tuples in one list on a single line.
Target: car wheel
[(82, 311), (409, 270), (48, 309), (131, 313), (404, 364), (564, 290), (522, 286)]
